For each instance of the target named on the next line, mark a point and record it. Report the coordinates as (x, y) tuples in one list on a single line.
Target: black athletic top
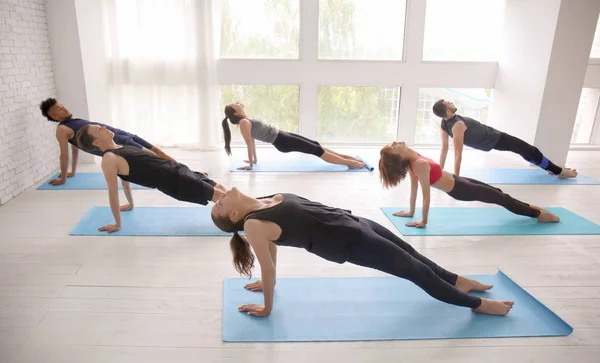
[(478, 136), (320, 229), (170, 177)]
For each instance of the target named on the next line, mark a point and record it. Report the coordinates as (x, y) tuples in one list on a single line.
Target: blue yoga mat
[(525, 176), (379, 308), (489, 222), (287, 163), (83, 181), (150, 221)]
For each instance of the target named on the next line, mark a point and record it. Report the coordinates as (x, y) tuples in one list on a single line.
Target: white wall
[(94, 59), (566, 73), (592, 76), (523, 66), (28, 151), (67, 61)]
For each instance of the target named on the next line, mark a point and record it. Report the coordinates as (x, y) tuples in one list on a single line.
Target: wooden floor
[(158, 299)]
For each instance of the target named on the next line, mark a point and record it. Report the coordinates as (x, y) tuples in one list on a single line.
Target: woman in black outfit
[(335, 235)]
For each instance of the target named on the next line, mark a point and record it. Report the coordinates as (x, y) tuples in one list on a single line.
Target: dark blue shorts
[(125, 138)]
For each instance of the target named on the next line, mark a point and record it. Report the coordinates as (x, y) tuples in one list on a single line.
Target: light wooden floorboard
[(114, 299)]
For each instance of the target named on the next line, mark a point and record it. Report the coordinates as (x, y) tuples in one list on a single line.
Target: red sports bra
[(435, 170)]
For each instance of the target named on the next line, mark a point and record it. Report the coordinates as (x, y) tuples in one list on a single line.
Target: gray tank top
[(478, 136), (320, 229), (262, 131)]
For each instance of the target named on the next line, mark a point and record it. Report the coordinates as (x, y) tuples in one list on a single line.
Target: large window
[(276, 105), (587, 113), (595, 53), (357, 114), (361, 29), (267, 29), (157, 32), (470, 102), (463, 30)]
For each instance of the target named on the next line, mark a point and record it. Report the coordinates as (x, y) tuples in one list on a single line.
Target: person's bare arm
[(444, 151), (110, 170), (62, 136), (257, 285), (75, 152), (257, 237), (128, 195), (414, 188), (421, 169), (458, 137), (245, 129)]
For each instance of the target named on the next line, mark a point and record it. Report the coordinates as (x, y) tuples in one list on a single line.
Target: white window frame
[(410, 74)]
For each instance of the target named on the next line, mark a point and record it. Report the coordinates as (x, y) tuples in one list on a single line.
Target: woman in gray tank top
[(338, 236), (255, 129)]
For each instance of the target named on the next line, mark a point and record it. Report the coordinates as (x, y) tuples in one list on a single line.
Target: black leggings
[(287, 142), (467, 189), (380, 249), (528, 152)]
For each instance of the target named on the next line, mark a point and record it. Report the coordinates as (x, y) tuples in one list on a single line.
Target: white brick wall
[(28, 148)]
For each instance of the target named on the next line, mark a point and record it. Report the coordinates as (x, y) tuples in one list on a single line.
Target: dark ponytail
[(243, 258), (235, 119), (227, 136)]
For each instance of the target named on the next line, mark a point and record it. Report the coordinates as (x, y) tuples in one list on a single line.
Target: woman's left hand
[(254, 310), (416, 224), (245, 167)]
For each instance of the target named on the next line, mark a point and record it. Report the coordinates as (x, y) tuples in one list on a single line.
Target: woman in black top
[(133, 165), (335, 235)]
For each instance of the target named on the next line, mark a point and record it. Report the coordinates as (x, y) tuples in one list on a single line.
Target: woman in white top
[(254, 129)]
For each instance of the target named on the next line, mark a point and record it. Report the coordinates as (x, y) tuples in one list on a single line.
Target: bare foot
[(547, 217), (494, 307), (567, 173), (465, 285), (356, 164)]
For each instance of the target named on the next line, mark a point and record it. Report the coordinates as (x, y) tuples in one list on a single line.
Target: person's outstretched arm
[(458, 137), (444, 151), (421, 169), (257, 237), (414, 188), (128, 195), (109, 168), (62, 135), (254, 150), (75, 152), (245, 128), (257, 285)]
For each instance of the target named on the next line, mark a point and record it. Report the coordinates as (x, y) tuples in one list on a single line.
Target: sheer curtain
[(162, 59)]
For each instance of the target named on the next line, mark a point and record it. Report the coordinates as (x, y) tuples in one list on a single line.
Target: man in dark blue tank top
[(68, 127), (466, 131)]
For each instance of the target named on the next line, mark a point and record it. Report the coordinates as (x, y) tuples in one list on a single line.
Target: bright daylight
[(299, 181)]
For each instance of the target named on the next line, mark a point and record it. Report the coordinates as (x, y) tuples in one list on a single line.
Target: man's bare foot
[(356, 164), (567, 173), (494, 307), (465, 285)]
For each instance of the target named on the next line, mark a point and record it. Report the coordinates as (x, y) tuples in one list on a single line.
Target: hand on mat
[(245, 167), (403, 213), (126, 207), (416, 224), (57, 182), (110, 228), (254, 310), (70, 175), (254, 286)]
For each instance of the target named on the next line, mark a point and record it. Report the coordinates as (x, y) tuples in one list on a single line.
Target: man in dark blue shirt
[(68, 127)]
